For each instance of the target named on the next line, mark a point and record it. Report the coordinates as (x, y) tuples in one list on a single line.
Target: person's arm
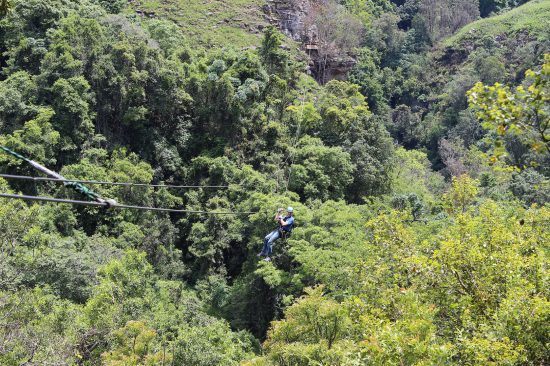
[(278, 215), (283, 222)]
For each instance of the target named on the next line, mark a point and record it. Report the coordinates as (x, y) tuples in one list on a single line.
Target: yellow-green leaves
[(37, 140), (313, 331), (461, 195), (522, 112), (133, 346)]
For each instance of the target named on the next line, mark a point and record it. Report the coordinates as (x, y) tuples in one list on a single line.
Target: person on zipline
[(285, 227)]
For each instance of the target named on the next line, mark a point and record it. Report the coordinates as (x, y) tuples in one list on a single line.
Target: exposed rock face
[(294, 18), (289, 16)]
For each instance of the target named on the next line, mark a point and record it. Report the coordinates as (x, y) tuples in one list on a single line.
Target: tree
[(387, 39), (406, 126), (371, 151), (133, 345), (453, 155), (409, 202), (367, 74), (211, 344), (5, 7), (522, 112), (274, 57), (335, 32), (72, 100), (488, 7), (479, 257), (341, 107), (112, 6), (37, 140), (416, 176), (318, 171), (36, 327), (15, 221), (18, 100), (461, 194), (443, 18), (311, 332), (531, 186)]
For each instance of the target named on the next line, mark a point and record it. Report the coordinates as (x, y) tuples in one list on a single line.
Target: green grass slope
[(210, 23), (517, 38), (532, 18)]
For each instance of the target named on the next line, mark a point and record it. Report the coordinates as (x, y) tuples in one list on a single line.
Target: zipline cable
[(292, 153), (80, 188), (293, 144), (127, 184), (121, 206), (96, 200)]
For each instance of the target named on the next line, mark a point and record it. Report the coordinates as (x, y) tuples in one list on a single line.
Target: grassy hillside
[(210, 23), (532, 18), (517, 39)]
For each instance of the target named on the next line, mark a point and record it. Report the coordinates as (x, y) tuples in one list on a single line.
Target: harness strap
[(283, 234)]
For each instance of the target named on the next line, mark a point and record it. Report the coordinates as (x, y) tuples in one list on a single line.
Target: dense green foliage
[(422, 84), (523, 114), (420, 187)]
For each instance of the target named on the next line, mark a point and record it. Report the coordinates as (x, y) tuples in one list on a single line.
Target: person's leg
[(274, 236), (265, 248)]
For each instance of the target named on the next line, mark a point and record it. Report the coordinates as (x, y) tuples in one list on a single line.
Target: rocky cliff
[(298, 20)]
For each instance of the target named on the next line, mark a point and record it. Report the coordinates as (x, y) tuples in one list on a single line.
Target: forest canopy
[(419, 183)]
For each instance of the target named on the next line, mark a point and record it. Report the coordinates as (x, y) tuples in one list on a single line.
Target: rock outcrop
[(296, 19)]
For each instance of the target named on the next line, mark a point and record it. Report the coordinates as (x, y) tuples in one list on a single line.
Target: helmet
[(289, 209)]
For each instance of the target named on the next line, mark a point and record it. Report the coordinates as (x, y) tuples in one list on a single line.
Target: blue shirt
[(289, 223)]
